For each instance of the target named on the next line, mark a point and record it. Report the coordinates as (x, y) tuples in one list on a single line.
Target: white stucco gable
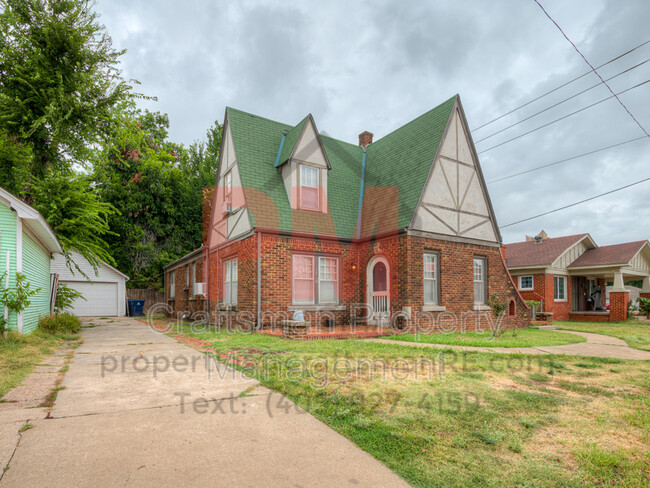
[(455, 201), (229, 218)]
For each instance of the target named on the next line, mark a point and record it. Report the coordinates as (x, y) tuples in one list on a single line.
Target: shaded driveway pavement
[(140, 409)]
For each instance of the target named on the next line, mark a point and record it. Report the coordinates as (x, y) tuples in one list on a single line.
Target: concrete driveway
[(139, 409)]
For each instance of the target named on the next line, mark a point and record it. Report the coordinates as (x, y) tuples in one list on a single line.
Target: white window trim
[(227, 185), (435, 279), (234, 281), (483, 280), (193, 282), (563, 278), (187, 276), (316, 279), (318, 188), (172, 284), (532, 282)]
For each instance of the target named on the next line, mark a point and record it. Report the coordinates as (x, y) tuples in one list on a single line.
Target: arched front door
[(378, 285)]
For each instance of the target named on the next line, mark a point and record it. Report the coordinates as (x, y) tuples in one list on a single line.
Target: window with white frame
[(227, 185), (187, 276), (172, 284), (560, 288), (230, 282), (431, 290), (316, 280), (525, 282), (480, 289), (193, 278), (309, 188)]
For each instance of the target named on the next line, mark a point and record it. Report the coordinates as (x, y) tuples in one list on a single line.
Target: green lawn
[(19, 354), (443, 418), (635, 332), (524, 338)]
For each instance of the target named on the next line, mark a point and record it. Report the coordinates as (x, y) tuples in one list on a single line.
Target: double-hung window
[(172, 284), (525, 282), (187, 276), (309, 188), (316, 280), (193, 283), (431, 289), (560, 288), (230, 282), (480, 288)]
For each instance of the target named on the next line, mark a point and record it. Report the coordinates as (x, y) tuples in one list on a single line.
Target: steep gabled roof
[(401, 161), (288, 142), (609, 255), (398, 163), (522, 254), (256, 142)]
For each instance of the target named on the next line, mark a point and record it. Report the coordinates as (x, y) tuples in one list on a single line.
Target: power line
[(537, 168), (593, 69), (576, 203), (562, 118), (560, 102), (561, 86)]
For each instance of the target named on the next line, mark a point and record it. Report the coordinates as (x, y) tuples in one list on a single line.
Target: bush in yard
[(644, 306), (65, 296), (59, 323)]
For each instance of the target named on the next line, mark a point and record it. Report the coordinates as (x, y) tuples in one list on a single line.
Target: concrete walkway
[(140, 409), (597, 345)]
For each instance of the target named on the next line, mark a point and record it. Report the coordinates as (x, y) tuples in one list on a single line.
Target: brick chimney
[(365, 139)]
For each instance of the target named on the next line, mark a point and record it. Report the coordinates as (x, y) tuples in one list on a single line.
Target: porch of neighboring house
[(588, 297)]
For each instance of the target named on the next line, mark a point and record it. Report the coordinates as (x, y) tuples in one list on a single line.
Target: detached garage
[(105, 293)]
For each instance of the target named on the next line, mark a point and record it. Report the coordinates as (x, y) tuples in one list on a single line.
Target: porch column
[(618, 299), (645, 289)]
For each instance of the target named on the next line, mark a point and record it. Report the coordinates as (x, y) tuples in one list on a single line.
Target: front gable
[(455, 201), (229, 217)]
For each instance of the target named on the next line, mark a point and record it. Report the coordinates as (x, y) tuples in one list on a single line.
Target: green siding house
[(26, 246)]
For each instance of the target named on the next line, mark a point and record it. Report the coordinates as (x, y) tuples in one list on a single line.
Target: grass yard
[(529, 337), (452, 419), (19, 354), (635, 332)]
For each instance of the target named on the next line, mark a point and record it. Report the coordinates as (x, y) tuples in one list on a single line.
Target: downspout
[(363, 178), (259, 278)]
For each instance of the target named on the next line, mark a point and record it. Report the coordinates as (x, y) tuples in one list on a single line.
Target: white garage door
[(101, 299)]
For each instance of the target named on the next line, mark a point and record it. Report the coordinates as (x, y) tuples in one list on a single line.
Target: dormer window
[(309, 188)]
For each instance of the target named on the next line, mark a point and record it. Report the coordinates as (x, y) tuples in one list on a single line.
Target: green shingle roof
[(290, 139), (397, 167)]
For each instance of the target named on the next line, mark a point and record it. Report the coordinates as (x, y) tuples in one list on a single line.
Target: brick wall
[(618, 302), (404, 256), (184, 300)]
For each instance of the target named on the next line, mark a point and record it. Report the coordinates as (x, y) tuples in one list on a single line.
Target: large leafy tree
[(157, 189), (59, 79), (59, 87)]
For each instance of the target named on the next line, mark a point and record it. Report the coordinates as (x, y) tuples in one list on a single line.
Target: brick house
[(566, 272), (397, 229)]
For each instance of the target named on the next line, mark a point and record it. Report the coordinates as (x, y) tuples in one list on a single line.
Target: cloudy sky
[(375, 65)]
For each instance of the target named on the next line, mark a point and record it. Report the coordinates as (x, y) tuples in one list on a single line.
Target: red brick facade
[(618, 302), (184, 299), (405, 272)]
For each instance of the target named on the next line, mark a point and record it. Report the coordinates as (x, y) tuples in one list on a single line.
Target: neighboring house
[(104, 292), (26, 246), (400, 227), (184, 280), (565, 272)]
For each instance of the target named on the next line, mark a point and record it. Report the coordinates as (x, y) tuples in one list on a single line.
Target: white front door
[(378, 284)]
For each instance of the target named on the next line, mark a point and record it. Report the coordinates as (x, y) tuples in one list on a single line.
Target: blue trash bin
[(135, 307)]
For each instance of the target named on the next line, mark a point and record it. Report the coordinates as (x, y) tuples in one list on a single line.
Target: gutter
[(259, 279), (363, 182)]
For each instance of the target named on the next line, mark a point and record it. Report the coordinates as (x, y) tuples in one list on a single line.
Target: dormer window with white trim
[(309, 188)]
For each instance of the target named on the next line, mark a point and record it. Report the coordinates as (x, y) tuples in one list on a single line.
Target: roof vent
[(538, 239), (365, 139)]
